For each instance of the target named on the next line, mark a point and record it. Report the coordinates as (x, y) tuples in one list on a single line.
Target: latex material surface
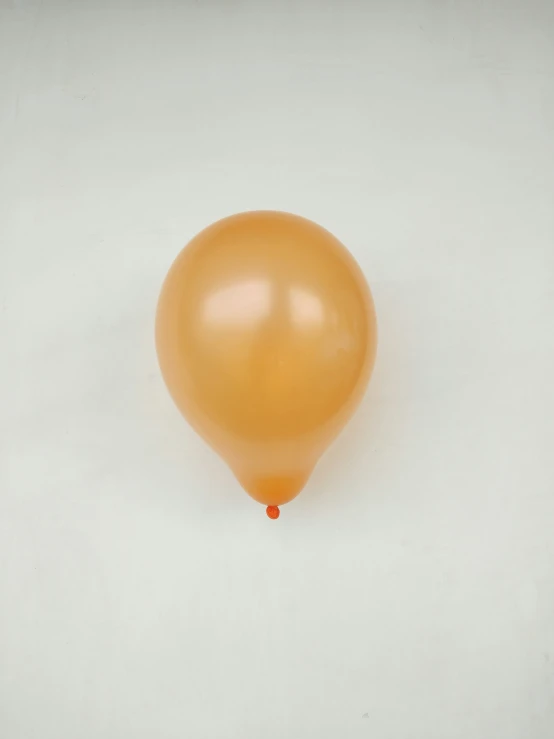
[(266, 338)]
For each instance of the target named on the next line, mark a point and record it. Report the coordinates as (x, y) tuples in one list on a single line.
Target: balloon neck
[(273, 511), (273, 490)]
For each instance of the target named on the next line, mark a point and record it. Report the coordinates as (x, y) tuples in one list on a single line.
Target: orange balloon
[(266, 338)]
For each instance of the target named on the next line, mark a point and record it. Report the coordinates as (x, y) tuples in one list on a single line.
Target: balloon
[(266, 339)]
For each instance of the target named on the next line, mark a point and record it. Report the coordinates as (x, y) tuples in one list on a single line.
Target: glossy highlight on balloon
[(266, 339)]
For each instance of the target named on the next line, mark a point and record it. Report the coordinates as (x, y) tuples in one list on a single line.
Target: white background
[(408, 593)]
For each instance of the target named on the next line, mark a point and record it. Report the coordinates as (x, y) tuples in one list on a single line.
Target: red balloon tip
[(273, 511)]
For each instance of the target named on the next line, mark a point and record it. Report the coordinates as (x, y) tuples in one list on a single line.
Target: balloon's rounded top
[(273, 511)]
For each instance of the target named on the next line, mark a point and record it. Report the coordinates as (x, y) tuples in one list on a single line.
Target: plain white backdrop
[(408, 593)]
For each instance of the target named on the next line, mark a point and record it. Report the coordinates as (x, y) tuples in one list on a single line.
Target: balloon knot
[(273, 511)]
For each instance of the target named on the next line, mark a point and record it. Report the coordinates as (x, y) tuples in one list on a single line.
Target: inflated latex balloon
[(266, 339)]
